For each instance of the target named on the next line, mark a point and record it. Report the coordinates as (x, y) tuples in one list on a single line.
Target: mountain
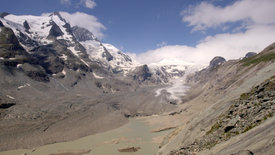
[(228, 109), (55, 78), (59, 83), (36, 32)]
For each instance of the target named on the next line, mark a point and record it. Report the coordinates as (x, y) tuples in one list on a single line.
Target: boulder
[(231, 124)]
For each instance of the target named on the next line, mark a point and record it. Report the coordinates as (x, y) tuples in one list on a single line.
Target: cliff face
[(234, 102)]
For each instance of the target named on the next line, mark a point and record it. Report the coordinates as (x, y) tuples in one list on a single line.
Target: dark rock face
[(48, 59), (250, 54), (8, 40), (55, 31), (1, 24), (26, 25), (26, 40), (106, 54), (126, 57), (82, 34), (6, 102), (3, 14), (35, 72), (216, 61), (142, 73)]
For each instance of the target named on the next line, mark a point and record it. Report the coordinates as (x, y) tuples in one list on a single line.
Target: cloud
[(84, 20), (86, 3), (252, 12), (230, 46), (65, 2), (162, 44), (254, 29)]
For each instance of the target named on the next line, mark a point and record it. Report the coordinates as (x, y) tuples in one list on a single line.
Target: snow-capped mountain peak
[(36, 31)]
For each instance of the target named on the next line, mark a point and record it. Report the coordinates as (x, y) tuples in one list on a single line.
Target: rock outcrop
[(216, 61), (6, 102), (250, 54), (82, 34), (142, 73)]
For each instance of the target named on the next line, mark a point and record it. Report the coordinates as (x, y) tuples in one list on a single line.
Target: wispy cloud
[(255, 30), (163, 43), (88, 3), (85, 3), (87, 21), (65, 2)]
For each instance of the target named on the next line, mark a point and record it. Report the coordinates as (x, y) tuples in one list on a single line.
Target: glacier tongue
[(176, 72)]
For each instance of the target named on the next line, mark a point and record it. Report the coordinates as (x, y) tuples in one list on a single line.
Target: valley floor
[(138, 132)]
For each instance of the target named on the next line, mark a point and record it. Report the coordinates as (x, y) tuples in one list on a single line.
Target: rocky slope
[(245, 113), (231, 103)]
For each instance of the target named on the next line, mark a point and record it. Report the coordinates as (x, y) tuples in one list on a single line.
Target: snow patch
[(75, 52), (65, 57), (10, 97), (98, 77), (18, 65), (25, 85), (64, 72)]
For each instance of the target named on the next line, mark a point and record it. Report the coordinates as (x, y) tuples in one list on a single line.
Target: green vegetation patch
[(258, 59)]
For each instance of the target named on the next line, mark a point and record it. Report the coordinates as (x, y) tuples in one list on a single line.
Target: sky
[(153, 30)]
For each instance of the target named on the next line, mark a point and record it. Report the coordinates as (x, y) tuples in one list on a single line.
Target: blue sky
[(152, 30), (133, 25)]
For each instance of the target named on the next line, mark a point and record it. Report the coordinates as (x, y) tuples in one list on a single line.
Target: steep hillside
[(225, 107)]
